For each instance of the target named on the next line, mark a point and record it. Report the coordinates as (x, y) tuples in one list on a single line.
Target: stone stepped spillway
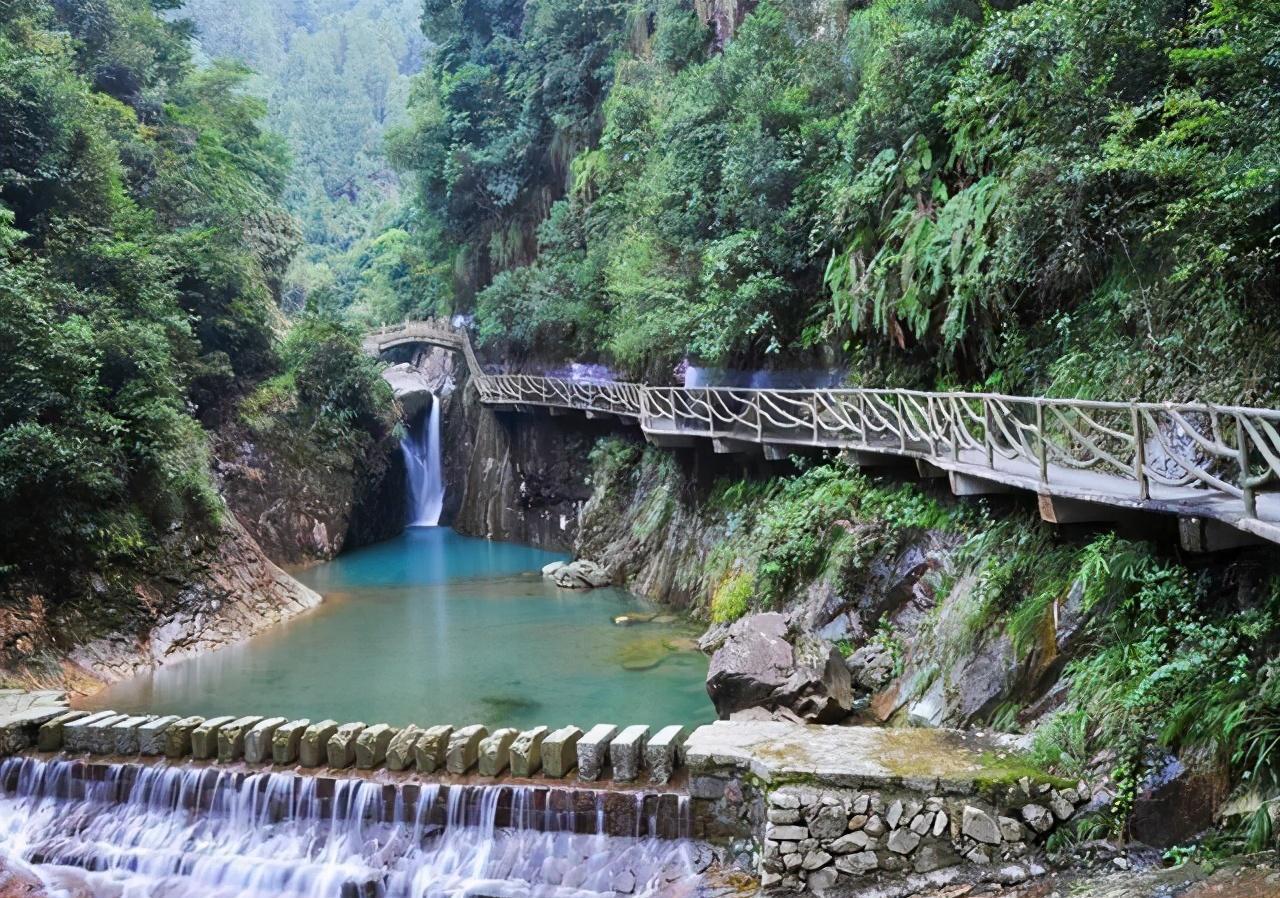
[(802, 808)]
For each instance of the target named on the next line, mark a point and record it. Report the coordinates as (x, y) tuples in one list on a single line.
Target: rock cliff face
[(655, 525), (301, 507), (522, 478), (201, 591)]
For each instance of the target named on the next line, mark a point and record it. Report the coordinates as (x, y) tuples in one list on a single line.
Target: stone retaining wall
[(851, 807), (816, 838)]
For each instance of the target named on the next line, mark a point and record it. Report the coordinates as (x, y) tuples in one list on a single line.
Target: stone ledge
[(935, 761)]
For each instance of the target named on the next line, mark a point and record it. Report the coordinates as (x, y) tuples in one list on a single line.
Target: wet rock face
[(1177, 802), (760, 664), (517, 477), (301, 508)]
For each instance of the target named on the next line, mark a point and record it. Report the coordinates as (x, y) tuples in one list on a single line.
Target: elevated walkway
[(1212, 466)]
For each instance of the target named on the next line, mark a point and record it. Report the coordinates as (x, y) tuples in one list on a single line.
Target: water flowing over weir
[(118, 829), (421, 448)]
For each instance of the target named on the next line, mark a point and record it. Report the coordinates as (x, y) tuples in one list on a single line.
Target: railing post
[(755, 402), (862, 417), (988, 436), (813, 414), (902, 422), (954, 423), (1242, 444), (711, 418), (1139, 453), (1041, 447)]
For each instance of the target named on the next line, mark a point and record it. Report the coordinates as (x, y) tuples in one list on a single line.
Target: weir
[(192, 830), (227, 807)]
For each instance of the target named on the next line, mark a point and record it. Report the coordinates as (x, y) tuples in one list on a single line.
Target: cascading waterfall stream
[(421, 448), (184, 831)]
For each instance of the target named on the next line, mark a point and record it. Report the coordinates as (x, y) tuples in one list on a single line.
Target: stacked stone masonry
[(816, 839)]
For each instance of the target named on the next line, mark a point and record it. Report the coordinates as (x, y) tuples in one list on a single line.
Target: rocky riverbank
[(201, 588), (204, 592), (837, 595)]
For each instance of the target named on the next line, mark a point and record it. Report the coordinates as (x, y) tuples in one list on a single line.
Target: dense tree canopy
[(143, 247), (335, 75), (1077, 197)]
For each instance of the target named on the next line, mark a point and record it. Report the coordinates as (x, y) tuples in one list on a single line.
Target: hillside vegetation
[(1075, 198), (143, 248), (335, 75)]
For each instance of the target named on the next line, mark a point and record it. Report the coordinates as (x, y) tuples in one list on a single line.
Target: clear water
[(434, 627)]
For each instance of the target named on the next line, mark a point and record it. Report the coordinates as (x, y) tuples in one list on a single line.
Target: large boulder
[(759, 663), (411, 386), (580, 574), (871, 667)]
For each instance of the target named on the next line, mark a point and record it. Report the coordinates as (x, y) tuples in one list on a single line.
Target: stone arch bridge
[(1213, 466)]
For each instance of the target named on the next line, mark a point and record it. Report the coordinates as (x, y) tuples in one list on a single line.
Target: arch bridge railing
[(1130, 450)]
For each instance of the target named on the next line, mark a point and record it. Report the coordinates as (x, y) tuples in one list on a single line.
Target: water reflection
[(434, 627)]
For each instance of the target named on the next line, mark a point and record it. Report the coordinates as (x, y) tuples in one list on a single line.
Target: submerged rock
[(760, 664)]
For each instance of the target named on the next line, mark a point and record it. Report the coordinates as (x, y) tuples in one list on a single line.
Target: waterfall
[(193, 831), (421, 448)]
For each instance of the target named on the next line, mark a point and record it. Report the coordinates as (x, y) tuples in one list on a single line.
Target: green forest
[(203, 206), (144, 248), (1080, 199)]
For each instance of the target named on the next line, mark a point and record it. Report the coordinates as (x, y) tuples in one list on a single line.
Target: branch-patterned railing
[(1125, 451), (1170, 448)]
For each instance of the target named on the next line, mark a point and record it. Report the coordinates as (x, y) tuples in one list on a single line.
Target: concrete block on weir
[(286, 742), (464, 748), (626, 753), (432, 748), (126, 734), (231, 738), (560, 751), (151, 735), (593, 751), (101, 735), (178, 737), (662, 753), (20, 729), (204, 738), (341, 749), (49, 736), (314, 748), (400, 748), (525, 754), (75, 734), (495, 751), (258, 741), (372, 744)]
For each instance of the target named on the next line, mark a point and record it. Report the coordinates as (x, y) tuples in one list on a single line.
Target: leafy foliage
[(1027, 196), (335, 75)]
